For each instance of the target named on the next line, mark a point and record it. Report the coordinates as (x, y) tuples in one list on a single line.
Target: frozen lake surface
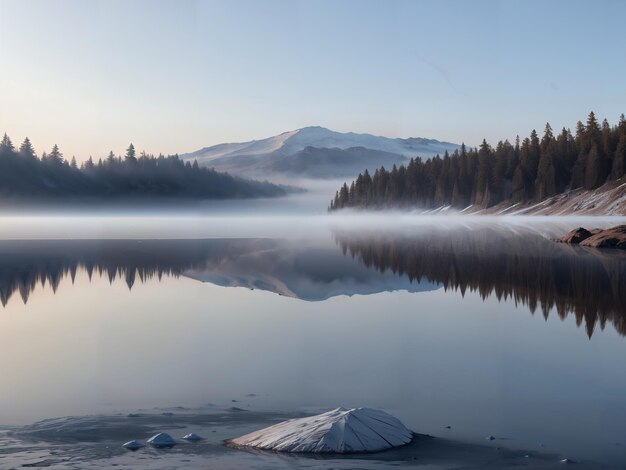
[(462, 328)]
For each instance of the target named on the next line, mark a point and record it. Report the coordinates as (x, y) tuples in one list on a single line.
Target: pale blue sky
[(174, 76)]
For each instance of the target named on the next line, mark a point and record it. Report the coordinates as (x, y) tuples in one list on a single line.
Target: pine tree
[(607, 139), (6, 144), (548, 137), (27, 150), (482, 185), (344, 196), (619, 160), (545, 185), (55, 157), (130, 154), (594, 169), (534, 154), (111, 160), (499, 171), (89, 166)]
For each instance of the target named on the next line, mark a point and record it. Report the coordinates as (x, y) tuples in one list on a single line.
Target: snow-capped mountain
[(326, 153)]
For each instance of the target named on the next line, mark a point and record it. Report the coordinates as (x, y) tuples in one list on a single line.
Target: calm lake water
[(487, 327)]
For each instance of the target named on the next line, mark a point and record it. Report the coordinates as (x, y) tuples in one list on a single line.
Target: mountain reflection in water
[(511, 264), (306, 270), (523, 266)]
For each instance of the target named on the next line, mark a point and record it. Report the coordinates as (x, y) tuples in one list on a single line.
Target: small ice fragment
[(566, 461), (162, 440), (490, 438), (133, 445), (193, 437), (133, 415), (448, 427)]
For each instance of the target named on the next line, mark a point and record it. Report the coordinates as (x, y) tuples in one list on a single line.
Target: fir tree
[(130, 154), (55, 157), (619, 160), (27, 150), (5, 144)]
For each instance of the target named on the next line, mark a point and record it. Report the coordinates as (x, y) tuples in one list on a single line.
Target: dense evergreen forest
[(531, 170), (24, 175)]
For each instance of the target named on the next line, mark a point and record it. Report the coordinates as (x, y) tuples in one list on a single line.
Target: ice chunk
[(162, 440), (193, 437), (133, 445)]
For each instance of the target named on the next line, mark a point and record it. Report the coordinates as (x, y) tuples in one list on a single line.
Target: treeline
[(530, 170), (23, 174)]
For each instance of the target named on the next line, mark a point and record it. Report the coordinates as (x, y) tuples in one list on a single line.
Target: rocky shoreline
[(614, 237)]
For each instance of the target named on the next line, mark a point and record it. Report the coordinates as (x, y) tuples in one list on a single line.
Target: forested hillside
[(23, 175), (529, 170)]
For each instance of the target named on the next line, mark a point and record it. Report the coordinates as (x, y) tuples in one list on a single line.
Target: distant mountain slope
[(315, 152), (324, 162)]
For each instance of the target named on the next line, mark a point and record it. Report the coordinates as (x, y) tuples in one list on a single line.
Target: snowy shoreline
[(95, 441)]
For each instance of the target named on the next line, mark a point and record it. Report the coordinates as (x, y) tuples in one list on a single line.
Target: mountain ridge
[(260, 156)]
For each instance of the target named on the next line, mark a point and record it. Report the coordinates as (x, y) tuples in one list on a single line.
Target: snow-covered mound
[(337, 431)]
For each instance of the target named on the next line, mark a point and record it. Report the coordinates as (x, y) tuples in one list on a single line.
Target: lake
[(462, 327)]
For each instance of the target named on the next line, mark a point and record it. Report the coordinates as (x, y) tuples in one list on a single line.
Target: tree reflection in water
[(526, 267), (511, 264)]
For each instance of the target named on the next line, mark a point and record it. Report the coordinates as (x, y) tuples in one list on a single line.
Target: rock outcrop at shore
[(610, 238), (576, 236)]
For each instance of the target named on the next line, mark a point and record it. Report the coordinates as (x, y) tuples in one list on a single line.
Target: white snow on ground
[(339, 431), (94, 442), (609, 200)]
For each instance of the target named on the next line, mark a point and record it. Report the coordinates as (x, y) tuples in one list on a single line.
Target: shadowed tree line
[(23, 174), (24, 264), (529, 269), (529, 170)]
